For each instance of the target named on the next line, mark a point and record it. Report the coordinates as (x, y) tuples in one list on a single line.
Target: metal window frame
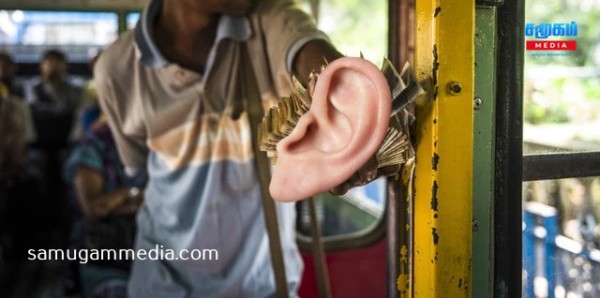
[(563, 165), (78, 68), (509, 150)]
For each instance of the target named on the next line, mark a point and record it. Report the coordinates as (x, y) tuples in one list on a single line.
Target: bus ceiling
[(94, 5)]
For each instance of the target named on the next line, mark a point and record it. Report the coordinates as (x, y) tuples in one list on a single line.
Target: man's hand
[(311, 57)]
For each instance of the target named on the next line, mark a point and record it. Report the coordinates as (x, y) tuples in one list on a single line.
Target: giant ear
[(346, 124)]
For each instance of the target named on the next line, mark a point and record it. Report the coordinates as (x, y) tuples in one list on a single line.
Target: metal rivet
[(476, 225), (477, 103), (454, 88)]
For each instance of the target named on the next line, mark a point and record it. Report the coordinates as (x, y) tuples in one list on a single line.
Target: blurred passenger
[(8, 70), (89, 109), (22, 200), (87, 115), (109, 200), (23, 109), (54, 101), (90, 112), (10, 90)]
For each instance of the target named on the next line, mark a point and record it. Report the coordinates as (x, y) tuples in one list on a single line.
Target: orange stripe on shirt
[(210, 138)]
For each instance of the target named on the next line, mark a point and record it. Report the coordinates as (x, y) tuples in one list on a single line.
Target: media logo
[(541, 33)]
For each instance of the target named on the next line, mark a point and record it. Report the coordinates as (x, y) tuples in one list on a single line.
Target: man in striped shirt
[(171, 90)]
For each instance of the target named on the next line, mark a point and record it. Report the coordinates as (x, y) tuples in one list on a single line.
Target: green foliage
[(555, 112), (356, 26), (592, 88)]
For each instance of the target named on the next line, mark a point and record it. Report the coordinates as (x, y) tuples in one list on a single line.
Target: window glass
[(354, 27), (562, 76), (132, 19), (26, 34), (355, 212), (561, 235)]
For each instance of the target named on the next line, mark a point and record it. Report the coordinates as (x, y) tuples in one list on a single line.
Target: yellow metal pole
[(444, 163)]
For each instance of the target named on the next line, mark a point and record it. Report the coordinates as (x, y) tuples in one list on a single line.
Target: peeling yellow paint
[(403, 282), (444, 156)]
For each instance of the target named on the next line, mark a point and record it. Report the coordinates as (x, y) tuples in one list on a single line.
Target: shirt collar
[(230, 27)]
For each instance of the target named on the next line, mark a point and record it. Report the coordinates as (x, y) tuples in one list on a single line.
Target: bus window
[(26, 34), (131, 19), (561, 128), (353, 30), (355, 212)]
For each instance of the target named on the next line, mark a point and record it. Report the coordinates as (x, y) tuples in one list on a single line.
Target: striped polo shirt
[(189, 132)]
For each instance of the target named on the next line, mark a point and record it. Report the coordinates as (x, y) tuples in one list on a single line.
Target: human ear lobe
[(347, 121)]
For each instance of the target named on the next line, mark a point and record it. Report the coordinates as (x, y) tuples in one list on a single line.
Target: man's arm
[(97, 203), (312, 56), (294, 44)]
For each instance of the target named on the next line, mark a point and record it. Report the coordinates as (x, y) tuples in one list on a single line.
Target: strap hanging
[(255, 113), (318, 252)]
